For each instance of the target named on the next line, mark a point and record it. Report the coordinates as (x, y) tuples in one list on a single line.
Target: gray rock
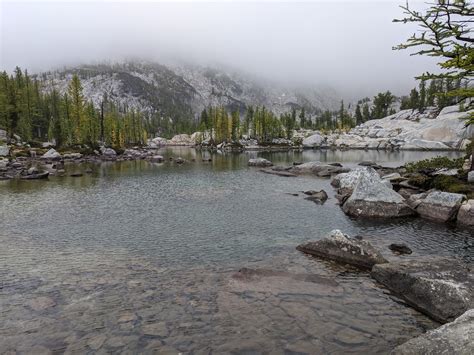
[(318, 197), (32, 170), (179, 160), (259, 162), (400, 248), (456, 337), (440, 206), (470, 176), (349, 179), (318, 168), (72, 156), (109, 152), (442, 288), (4, 150), (372, 198), (344, 249), (51, 154), (466, 213), (3, 135), (313, 141)]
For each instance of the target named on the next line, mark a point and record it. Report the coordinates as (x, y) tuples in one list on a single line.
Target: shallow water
[(139, 256)]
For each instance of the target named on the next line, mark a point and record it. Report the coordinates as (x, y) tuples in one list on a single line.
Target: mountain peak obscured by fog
[(343, 44)]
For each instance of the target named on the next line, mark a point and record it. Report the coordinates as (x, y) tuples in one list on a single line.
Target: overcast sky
[(347, 44)]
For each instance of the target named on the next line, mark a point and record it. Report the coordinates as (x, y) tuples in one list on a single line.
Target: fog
[(345, 44)]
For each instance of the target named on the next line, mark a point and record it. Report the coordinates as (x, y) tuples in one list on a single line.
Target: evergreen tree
[(358, 115)]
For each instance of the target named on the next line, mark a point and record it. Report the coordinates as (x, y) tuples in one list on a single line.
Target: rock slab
[(442, 288), (344, 249), (456, 337)]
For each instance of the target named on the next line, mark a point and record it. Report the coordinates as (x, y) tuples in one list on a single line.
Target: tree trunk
[(472, 152)]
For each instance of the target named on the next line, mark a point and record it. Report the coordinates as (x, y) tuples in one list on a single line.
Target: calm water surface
[(140, 257)]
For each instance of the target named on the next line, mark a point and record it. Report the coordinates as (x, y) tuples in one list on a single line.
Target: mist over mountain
[(186, 89)]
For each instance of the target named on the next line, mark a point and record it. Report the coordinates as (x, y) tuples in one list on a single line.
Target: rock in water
[(259, 162), (400, 248), (466, 213), (157, 159), (442, 288), (318, 197), (440, 206), (373, 198), (4, 150), (456, 337), (344, 249)]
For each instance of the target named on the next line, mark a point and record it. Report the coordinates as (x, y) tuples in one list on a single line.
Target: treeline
[(69, 119), (434, 95)]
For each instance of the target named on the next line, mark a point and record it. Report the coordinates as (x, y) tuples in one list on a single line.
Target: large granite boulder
[(344, 249), (51, 154), (349, 180), (157, 142), (313, 141), (373, 198), (259, 162), (470, 176), (440, 206), (181, 139), (442, 288), (466, 214), (456, 337), (318, 168)]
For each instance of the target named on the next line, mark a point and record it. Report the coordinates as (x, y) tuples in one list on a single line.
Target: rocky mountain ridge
[(185, 90)]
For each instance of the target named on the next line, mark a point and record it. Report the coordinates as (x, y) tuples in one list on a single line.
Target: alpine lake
[(138, 257)]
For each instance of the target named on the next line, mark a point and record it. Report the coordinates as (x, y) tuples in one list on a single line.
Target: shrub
[(435, 163)]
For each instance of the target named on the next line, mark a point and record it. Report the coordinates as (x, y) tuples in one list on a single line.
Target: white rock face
[(181, 139), (51, 154), (409, 130)]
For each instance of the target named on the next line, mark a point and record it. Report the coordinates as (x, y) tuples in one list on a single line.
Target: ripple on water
[(142, 256)]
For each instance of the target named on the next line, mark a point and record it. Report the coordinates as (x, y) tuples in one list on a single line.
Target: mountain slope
[(184, 91)]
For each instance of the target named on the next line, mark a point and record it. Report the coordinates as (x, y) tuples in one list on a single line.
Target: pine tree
[(358, 115)]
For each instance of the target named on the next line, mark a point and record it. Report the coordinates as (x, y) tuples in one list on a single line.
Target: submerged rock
[(157, 159), (318, 197), (373, 198), (259, 162), (440, 206), (344, 249), (318, 168), (456, 337), (442, 288)]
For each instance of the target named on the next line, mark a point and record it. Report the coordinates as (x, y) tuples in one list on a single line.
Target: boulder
[(349, 179), (371, 197), (157, 142), (344, 249), (442, 288), (466, 214), (3, 135), (32, 170), (452, 338), (72, 156), (108, 152), (440, 206), (51, 154), (259, 162), (179, 160), (48, 144), (181, 139), (470, 176), (313, 141), (4, 150)]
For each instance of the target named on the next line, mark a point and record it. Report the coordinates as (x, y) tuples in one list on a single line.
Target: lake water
[(140, 257)]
